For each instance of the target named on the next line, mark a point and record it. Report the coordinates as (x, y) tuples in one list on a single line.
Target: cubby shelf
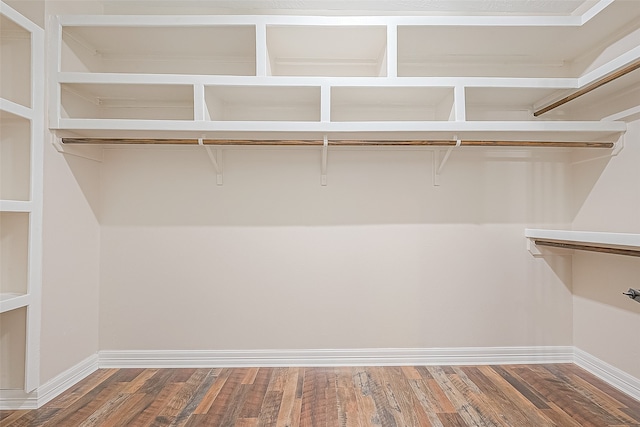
[(347, 77)]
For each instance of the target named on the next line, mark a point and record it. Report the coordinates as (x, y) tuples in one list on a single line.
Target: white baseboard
[(18, 399), (13, 400), (609, 374), (354, 357)]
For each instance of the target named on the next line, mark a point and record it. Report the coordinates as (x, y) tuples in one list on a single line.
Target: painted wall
[(71, 263), (71, 244), (603, 318), (378, 258)]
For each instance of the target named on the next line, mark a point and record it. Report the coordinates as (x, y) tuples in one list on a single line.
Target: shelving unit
[(21, 157), (375, 78), (614, 243)]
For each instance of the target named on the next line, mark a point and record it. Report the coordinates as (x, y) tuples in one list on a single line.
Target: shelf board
[(15, 109), (615, 243), (12, 301), (570, 131), (16, 206)]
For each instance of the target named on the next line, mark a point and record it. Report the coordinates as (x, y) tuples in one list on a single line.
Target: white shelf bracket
[(216, 160), (533, 249), (438, 165), (617, 148), (88, 153), (325, 147)]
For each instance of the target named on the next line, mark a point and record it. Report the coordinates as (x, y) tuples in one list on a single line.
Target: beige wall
[(71, 263), (378, 258), (604, 319), (71, 244)]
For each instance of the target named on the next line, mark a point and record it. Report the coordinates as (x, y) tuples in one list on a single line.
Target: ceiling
[(371, 7)]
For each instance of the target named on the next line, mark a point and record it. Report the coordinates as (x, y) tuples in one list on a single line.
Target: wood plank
[(540, 395), (286, 414), (595, 85), (148, 416), (257, 393), (470, 413), (367, 414)]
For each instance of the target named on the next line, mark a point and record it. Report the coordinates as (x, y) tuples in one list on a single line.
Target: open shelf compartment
[(14, 253), (12, 348), (15, 157), (15, 62), (263, 103), (327, 51), (517, 50), (211, 50), (391, 104), (126, 101)]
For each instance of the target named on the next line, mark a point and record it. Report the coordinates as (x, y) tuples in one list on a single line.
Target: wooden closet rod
[(615, 251), (604, 80), (282, 142)]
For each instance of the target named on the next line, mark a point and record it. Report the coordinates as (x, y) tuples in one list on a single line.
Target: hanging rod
[(284, 142), (604, 80), (601, 249)]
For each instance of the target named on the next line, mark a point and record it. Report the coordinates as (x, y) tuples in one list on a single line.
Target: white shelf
[(587, 238), (127, 102), (522, 49), (15, 206), (263, 103), (346, 77), (317, 50), (12, 301), (390, 104), (202, 49)]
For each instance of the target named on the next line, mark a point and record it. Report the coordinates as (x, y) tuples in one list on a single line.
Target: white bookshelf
[(347, 77), (21, 175)]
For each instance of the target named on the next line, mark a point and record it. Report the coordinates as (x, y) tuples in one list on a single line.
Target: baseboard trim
[(354, 357), (59, 384), (613, 376), (18, 399)]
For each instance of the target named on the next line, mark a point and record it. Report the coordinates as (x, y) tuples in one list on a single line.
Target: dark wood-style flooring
[(517, 395)]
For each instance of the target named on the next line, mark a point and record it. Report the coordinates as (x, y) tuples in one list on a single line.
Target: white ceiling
[(410, 7)]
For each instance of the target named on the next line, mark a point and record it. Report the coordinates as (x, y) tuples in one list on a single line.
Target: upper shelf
[(209, 50), (349, 77)]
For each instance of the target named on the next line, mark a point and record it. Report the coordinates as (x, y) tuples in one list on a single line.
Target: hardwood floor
[(517, 395)]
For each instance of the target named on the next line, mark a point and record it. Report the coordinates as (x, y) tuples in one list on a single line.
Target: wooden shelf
[(614, 243)]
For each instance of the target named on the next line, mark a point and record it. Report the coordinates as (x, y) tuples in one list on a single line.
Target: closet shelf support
[(216, 160), (325, 149), (438, 165)]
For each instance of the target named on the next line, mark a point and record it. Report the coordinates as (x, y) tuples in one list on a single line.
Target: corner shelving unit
[(21, 157), (373, 78)]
